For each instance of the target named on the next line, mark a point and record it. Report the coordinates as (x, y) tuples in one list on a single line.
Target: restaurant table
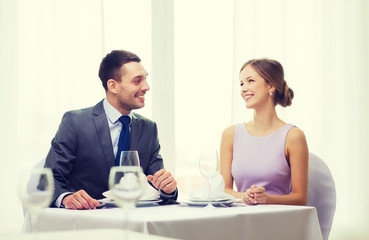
[(90, 234), (185, 222)]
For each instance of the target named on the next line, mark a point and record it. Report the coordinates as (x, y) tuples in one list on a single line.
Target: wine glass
[(35, 189), (126, 184), (209, 168), (129, 158)]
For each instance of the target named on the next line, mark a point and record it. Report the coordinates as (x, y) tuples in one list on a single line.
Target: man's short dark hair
[(111, 64)]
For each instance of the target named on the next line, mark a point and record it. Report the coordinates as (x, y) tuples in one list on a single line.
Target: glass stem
[(33, 217), (210, 195), (126, 222)]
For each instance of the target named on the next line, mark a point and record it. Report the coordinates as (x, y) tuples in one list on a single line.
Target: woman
[(267, 158)]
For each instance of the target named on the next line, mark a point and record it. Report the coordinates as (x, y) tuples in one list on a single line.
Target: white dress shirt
[(115, 126)]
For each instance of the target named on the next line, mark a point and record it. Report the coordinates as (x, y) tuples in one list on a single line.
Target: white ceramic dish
[(140, 203), (198, 203)]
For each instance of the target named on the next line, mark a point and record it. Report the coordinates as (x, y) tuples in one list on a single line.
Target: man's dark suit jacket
[(81, 152)]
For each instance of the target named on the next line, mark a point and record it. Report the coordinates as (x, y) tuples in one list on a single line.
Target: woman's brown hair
[(273, 74)]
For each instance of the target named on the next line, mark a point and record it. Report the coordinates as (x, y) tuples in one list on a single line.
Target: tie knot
[(125, 120)]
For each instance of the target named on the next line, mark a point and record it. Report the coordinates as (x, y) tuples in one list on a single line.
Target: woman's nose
[(244, 88)]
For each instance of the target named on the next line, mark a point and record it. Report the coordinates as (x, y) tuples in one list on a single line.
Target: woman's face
[(254, 89)]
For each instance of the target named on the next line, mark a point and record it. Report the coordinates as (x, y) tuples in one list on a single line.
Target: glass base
[(209, 206)]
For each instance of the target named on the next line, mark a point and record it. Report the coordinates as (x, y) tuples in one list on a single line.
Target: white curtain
[(203, 82), (50, 51), (323, 46)]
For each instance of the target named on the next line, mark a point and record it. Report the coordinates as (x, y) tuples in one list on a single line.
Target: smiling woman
[(265, 177)]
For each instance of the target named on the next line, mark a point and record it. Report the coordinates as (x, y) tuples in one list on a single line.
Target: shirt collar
[(112, 113)]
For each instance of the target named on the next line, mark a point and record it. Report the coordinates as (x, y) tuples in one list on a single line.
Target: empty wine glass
[(129, 158), (209, 168), (36, 188), (126, 184)]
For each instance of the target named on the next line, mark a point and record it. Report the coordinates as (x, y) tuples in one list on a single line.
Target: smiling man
[(86, 144)]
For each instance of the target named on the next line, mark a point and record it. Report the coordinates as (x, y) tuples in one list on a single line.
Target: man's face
[(132, 88)]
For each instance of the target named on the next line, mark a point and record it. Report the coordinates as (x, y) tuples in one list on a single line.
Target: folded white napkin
[(217, 191), (149, 193)]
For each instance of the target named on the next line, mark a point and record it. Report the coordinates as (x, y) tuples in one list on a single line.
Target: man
[(86, 143)]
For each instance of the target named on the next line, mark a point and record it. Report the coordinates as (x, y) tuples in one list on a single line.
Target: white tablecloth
[(91, 234), (183, 222)]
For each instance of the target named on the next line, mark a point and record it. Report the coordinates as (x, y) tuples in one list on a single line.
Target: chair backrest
[(33, 182), (321, 193)]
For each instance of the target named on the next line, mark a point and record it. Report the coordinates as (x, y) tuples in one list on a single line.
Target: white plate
[(140, 203), (147, 203), (226, 203), (150, 193), (206, 200)]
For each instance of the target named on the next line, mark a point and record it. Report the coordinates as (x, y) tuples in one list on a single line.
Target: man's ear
[(112, 85)]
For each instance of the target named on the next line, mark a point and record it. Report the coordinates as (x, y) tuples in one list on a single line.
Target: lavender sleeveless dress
[(261, 161)]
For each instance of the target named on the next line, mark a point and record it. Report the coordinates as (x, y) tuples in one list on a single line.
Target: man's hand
[(80, 200), (164, 181)]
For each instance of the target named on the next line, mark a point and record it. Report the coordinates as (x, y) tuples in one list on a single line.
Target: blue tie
[(124, 141)]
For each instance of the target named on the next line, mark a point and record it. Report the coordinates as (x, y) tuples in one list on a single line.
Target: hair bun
[(287, 96)]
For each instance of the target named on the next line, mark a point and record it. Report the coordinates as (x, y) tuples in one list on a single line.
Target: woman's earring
[(270, 93)]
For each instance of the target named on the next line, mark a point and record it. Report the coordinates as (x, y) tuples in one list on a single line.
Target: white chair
[(32, 183), (321, 193)]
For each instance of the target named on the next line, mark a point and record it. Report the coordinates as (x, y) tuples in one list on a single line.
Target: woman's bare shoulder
[(229, 131), (296, 135)]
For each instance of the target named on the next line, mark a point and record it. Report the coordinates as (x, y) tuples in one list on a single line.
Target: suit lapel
[(103, 133), (136, 130)]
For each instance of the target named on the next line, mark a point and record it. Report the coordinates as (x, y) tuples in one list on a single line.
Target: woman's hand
[(255, 195)]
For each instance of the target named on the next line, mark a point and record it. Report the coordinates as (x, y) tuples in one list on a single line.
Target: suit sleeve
[(62, 155), (156, 161)]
